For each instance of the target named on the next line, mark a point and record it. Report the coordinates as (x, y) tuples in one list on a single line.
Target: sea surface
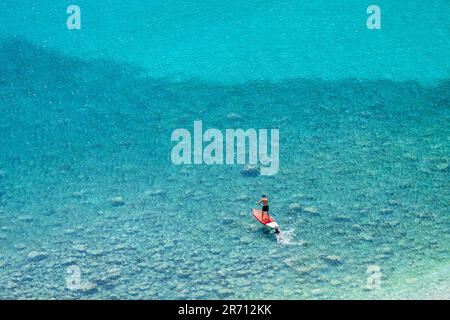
[(92, 207)]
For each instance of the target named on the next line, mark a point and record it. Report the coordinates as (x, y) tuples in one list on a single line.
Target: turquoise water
[(233, 41), (364, 150)]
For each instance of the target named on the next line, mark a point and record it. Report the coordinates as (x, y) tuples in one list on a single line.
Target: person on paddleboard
[(265, 209)]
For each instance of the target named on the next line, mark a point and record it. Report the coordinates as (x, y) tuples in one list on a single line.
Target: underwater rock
[(316, 292), (410, 156), (342, 219), (386, 250), (122, 246), (298, 265), (227, 218), (80, 248), (12, 285), (348, 279), (303, 243), (366, 237), (243, 198), (95, 252), (311, 209), (335, 282), (25, 218), (386, 211), (251, 171), (333, 259), (233, 116), (183, 273), (155, 192), (88, 287), (113, 273), (395, 203), (241, 273), (303, 269), (305, 197), (37, 256), (224, 292), (68, 262), (20, 246), (369, 287), (245, 240), (423, 215), (78, 194), (118, 201), (392, 223), (295, 207), (70, 231), (144, 287)]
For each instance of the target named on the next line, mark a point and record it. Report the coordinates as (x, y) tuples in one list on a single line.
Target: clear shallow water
[(367, 161)]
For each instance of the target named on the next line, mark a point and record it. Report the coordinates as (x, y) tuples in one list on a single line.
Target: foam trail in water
[(285, 237)]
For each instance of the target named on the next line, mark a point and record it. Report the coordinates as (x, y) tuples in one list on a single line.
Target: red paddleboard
[(267, 221)]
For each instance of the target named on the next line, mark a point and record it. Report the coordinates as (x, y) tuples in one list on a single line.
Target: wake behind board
[(268, 222)]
